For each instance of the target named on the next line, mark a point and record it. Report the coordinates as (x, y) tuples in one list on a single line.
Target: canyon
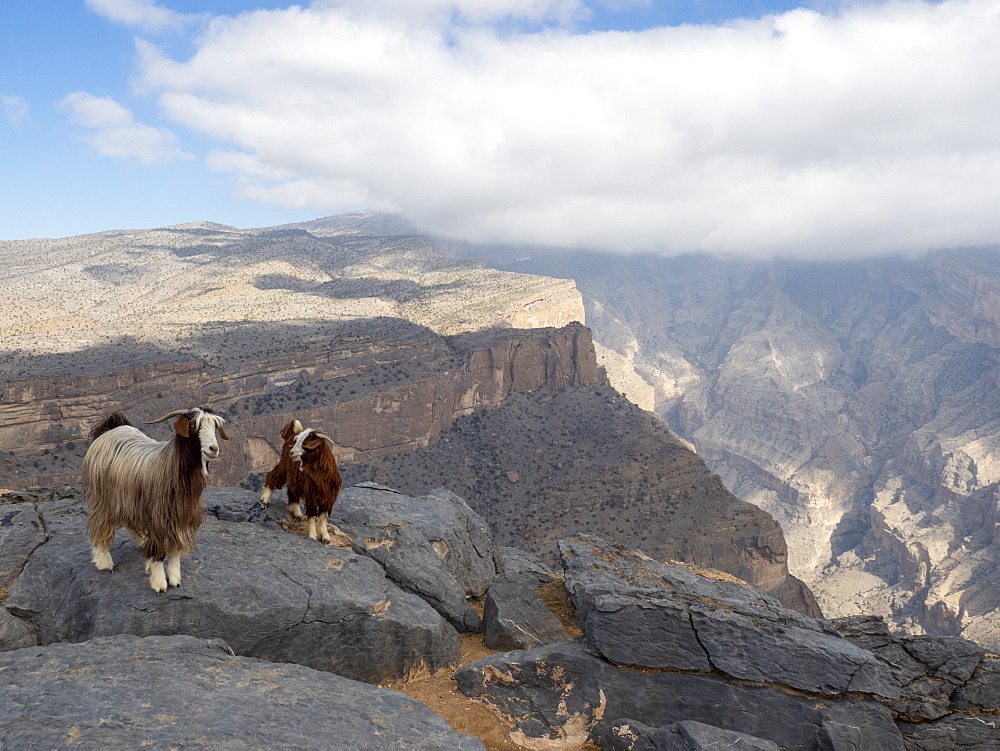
[(355, 324), (853, 402), (856, 402)]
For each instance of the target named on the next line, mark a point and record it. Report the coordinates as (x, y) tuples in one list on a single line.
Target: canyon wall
[(856, 402)]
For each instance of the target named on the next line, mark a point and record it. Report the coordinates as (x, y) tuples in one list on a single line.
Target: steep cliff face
[(548, 464), (381, 387), (855, 402)]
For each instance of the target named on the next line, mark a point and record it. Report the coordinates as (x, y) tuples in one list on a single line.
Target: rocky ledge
[(670, 655), (179, 691), (661, 655)]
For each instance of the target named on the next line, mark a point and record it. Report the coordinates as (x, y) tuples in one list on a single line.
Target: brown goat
[(151, 488), (309, 469)]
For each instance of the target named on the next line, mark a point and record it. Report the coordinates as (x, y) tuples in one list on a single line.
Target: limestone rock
[(638, 612), (629, 735), (956, 731), (562, 694), (434, 546), (14, 633), (21, 533), (937, 674), (519, 565), (125, 692), (268, 593), (516, 618)]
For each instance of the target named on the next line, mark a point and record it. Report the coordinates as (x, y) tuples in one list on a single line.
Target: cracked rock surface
[(180, 691), (433, 545), (629, 735), (269, 594), (561, 692), (14, 633), (641, 613)]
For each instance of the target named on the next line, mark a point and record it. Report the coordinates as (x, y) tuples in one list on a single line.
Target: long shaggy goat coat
[(132, 481), (309, 469)]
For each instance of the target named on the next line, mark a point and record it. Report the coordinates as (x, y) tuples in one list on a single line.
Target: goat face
[(305, 444), (200, 427)]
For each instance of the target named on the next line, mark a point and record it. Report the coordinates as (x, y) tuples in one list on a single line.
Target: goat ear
[(182, 426), (311, 443)]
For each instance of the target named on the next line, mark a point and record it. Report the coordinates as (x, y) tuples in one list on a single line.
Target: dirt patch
[(467, 716), (556, 599), (470, 716)]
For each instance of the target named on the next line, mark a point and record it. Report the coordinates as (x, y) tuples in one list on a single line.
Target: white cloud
[(145, 15), (871, 129), (116, 134), (16, 109)]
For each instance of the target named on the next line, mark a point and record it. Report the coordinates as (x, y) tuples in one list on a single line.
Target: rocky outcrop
[(636, 612), (629, 735), (663, 645), (516, 617), (14, 633), (434, 546), (124, 692), (671, 655), (267, 593), (550, 464)]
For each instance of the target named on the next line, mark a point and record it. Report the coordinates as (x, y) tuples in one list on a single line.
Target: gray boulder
[(982, 690), (629, 735), (434, 546), (519, 565), (516, 618), (179, 691), (14, 633), (638, 612), (561, 693), (269, 594), (938, 674)]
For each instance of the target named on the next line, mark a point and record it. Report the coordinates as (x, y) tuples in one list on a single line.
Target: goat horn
[(326, 438), (175, 413)]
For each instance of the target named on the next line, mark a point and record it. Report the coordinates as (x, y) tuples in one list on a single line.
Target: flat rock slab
[(268, 593), (179, 691), (562, 694), (956, 731), (635, 611)]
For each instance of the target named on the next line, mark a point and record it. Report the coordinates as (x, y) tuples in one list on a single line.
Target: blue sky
[(833, 127)]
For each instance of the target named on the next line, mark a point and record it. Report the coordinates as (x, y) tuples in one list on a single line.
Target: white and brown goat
[(151, 488), (309, 469)]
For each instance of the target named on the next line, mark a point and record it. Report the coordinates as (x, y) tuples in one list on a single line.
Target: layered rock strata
[(697, 654)]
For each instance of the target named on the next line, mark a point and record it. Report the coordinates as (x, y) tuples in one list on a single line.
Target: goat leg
[(324, 533), (157, 577), (174, 569)]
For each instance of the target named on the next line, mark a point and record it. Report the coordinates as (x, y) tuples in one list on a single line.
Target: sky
[(830, 128)]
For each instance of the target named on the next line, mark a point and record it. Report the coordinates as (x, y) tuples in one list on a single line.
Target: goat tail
[(112, 421)]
